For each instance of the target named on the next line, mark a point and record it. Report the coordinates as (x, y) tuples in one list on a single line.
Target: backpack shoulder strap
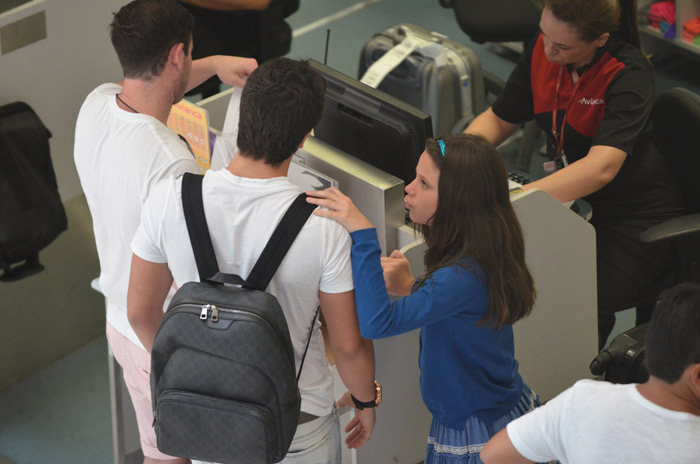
[(273, 253), (197, 228), (279, 243)]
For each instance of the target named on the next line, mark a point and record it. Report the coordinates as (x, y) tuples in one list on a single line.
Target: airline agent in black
[(586, 82)]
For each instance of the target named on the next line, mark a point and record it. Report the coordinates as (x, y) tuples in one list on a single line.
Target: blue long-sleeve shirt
[(467, 368)]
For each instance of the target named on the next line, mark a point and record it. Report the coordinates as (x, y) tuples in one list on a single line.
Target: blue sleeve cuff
[(364, 235)]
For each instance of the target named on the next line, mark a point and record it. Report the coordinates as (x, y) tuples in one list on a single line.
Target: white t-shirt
[(241, 215), (120, 156), (597, 421)]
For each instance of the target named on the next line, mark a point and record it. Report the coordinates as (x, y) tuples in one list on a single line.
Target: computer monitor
[(371, 125)]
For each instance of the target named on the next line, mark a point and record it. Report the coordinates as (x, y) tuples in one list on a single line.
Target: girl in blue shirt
[(476, 285)]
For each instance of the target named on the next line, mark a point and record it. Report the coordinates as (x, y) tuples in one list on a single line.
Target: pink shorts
[(136, 365)]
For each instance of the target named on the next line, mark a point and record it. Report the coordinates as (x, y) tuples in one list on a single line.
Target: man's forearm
[(491, 127), (149, 284), (356, 369), (202, 69), (146, 327), (500, 450), (232, 70)]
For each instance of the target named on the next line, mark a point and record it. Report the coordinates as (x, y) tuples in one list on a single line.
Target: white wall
[(48, 315), (55, 75)]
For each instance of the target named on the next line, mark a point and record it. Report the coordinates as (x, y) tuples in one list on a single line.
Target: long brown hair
[(592, 18), (475, 219)]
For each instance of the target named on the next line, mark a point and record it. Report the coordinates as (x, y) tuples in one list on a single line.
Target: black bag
[(624, 359), (223, 382), (31, 211)]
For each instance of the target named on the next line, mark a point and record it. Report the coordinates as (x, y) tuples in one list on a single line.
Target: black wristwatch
[(369, 404)]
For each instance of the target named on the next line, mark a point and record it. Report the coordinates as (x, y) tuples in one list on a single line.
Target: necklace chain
[(126, 104)]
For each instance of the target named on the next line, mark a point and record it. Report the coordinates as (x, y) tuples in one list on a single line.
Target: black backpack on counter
[(223, 380), (31, 211)]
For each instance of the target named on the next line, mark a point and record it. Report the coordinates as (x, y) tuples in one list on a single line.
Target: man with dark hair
[(593, 421), (272, 122), (673, 340), (123, 147), (280, 104)]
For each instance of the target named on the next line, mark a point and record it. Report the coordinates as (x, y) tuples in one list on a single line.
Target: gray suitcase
[(451, 92)]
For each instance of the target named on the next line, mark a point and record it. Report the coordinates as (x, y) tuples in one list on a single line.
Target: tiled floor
[(62, 413)]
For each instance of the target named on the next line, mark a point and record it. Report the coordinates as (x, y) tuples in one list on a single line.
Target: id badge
[(549, 167)]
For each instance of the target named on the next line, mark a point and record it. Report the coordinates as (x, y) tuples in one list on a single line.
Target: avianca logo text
[(591, 101)]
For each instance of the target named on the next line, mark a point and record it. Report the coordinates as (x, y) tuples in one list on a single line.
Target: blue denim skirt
[(453, 446)]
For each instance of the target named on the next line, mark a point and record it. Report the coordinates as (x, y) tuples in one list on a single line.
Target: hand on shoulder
[(338, 207)]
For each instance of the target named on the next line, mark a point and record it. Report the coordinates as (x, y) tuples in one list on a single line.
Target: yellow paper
[(192, 122)]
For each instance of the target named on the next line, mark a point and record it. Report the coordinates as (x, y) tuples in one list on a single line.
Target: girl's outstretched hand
[(397, 274), (339, 207)]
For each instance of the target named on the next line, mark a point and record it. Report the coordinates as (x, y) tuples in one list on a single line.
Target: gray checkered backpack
[(223, 380)]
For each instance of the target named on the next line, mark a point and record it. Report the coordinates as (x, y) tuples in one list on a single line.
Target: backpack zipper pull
[(214, 312)]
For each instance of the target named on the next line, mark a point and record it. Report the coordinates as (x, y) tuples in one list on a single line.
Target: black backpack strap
[(197, 228), (276, 249), (308, 340), (279, 243)]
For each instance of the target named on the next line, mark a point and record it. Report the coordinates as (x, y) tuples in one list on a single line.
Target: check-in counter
[(554, 345)]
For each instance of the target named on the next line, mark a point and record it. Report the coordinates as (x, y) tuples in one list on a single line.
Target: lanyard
[(560, 139), (179, 135), (187, 144)]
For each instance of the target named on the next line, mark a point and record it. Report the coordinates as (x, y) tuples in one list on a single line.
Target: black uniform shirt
[(611, 107)]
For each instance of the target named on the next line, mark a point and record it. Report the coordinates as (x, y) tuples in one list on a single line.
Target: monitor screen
[(371, 125)]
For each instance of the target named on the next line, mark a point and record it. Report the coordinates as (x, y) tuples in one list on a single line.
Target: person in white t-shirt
[(593, 421), (280, 104), (123, 147)]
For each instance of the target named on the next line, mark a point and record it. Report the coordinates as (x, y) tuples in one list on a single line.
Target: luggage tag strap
[(376, 73)]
